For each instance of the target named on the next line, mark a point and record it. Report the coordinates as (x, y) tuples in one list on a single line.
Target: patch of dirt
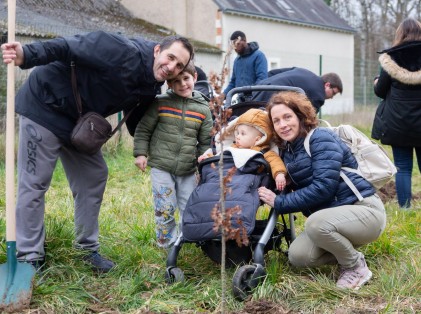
[(388, 193), (264, 307)]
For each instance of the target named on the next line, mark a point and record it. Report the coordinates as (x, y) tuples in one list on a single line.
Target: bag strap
[(75, 90), (341, 173), (79, 100)]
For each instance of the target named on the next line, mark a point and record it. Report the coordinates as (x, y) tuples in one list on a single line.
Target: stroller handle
[(258, 88)]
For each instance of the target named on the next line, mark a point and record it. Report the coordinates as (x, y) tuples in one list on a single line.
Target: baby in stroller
[(249, 155), (252, 170), (251, 131)]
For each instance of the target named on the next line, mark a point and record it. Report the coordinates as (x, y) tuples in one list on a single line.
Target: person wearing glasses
[(317, 88), (250, 65)]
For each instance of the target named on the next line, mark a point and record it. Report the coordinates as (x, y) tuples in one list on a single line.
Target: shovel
[(16, 278)]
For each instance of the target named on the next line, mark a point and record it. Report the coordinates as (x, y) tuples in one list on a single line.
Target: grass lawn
[(137, 284)]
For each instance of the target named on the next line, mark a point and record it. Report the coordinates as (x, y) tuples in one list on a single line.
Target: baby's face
[(246, 136)]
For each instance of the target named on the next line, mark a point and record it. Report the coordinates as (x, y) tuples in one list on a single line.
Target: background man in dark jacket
[(114, 73), (250, 65), (317, 88)]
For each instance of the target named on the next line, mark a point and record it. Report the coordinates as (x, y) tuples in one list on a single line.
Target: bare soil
[(388, 193)]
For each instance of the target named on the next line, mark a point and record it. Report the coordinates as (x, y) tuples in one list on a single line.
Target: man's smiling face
[(170, 62)]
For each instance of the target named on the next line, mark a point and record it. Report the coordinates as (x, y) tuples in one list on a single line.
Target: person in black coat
[(114, 74), (202, 85), (317, 88), (338, 222), (398, 117)]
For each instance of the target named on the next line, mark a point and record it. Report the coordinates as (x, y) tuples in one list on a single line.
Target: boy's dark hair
[(169, 40), (237, 34), (189, 68), (334, 80)]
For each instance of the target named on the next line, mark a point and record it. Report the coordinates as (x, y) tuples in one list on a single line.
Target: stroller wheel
[(174, 275), (245, 279)]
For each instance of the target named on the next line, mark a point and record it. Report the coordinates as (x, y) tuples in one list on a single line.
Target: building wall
[(286, 45), (190, 18), (208, 62)]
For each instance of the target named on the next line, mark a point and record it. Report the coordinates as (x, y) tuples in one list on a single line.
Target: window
[(274, 63)]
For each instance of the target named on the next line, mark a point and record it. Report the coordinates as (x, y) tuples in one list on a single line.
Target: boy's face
[(170, 62), (246, 136), (183, 84)]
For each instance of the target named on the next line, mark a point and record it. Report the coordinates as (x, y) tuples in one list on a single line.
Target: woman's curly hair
[(300, 105)]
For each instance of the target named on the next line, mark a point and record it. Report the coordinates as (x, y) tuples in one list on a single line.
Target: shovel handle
[(10, 132)]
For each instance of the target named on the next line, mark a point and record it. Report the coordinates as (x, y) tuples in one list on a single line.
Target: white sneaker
[(355, 277)]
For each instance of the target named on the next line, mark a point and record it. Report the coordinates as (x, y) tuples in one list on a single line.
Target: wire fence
[(364, 73), (356, 73)]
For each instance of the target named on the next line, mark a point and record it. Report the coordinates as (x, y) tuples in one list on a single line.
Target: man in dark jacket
[(317, 88), (250, 65), (114, 74)]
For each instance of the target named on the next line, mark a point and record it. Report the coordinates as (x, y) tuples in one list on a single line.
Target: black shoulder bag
[(92, 130)]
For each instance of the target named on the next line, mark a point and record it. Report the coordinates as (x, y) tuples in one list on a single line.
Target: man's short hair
[(237, 34), (334, 80)]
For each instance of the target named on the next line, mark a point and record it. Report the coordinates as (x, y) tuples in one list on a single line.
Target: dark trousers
[(404, 160)]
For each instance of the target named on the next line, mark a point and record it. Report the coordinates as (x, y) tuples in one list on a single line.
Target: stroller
[(205, 88), (264, 235)]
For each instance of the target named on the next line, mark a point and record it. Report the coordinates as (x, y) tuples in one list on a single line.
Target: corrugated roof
[(312, 13), (52, 18)]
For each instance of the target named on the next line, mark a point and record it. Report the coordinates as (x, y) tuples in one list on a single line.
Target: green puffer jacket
[(174, 132)]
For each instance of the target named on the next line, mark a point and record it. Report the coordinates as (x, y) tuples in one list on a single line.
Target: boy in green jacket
[(175, 130)]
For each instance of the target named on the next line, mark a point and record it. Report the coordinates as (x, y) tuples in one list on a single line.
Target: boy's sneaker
[(355, 277), (99, 264)]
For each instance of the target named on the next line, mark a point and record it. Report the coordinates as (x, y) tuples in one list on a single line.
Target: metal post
[(320, 74)]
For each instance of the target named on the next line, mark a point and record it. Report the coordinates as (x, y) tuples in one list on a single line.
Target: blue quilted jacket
[(316, 183)]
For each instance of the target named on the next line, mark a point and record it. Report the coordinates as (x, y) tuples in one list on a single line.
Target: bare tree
[(375, 22)]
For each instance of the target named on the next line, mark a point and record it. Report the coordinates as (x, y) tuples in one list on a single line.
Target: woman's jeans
[(404, 160), (331, 235)]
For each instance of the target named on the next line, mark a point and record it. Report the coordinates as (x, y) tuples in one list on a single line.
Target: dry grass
[(137, 284)]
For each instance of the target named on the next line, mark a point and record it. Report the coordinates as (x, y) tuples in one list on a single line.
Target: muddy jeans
[(331, 235)]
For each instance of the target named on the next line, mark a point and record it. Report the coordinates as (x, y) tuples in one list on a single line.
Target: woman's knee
[(316, 227), (298, 257)]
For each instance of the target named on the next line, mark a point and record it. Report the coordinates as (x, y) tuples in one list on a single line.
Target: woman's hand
[(267, 196)]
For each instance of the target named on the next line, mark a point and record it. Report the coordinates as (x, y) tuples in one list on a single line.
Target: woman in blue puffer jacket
[(337, 222)]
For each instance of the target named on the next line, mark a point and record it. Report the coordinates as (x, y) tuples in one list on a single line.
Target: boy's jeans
[(169, 193)]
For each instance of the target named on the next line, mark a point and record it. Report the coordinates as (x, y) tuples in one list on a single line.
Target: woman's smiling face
[(285, 122)]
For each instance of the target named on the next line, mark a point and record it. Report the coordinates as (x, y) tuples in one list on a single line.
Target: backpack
[(373, 163)]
